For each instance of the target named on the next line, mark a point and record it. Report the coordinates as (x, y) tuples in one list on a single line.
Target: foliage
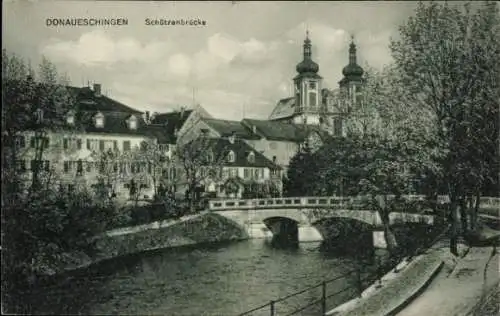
[(201, 161), (447, 57), (302, 170), (41, 223)]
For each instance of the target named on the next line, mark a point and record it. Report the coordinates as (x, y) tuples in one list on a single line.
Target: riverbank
[(203, 228)]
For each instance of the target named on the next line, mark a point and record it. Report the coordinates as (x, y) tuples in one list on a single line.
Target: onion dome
[(352, 69), (307, 65)]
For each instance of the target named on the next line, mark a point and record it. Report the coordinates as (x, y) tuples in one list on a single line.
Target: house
[(98, 126), (232, 168)]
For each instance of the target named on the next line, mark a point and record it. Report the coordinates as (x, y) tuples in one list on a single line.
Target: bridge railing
[(279, 202), (315, 201), (319, 303)]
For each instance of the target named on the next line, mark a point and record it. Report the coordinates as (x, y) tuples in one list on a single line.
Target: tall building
[(313, 105)]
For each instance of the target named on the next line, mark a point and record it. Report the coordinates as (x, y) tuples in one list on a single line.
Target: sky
[(238, 65)]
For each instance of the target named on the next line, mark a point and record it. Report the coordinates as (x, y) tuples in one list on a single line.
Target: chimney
[(232, 138), (254, 129), (153, 115), (97, 89), (147, 117), (182, 112)]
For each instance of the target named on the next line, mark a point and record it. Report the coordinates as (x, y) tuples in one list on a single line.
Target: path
[(456, 292)]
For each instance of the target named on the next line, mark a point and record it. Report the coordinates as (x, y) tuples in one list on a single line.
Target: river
[(224, 279)]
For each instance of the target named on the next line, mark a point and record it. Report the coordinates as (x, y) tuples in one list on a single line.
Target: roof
[(280, 131), (226, 128), (90, 102), (116, 123), (171, 121), (284, 109), (241, 150), (273, 130)]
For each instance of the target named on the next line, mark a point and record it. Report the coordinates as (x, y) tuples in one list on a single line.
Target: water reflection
[(210, 280)]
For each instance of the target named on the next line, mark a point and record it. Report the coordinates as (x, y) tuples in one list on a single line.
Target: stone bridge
[(267, 217)]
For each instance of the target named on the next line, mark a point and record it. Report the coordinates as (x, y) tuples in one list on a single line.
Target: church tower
[(352, 83), (307, 85)]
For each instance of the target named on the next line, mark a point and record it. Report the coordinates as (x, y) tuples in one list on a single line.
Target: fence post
[(272, 308), (359, 282), (323, 298)]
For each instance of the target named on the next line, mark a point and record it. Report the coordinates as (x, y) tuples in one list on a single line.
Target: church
[(314, 105), (311, 115)]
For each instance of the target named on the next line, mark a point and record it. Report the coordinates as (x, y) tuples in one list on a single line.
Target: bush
[(47, 226)]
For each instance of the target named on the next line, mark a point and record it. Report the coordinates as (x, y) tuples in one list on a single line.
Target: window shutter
[(88, 144), (79, 144), (66, 166), (65, 143), (101, 145), (115, 145)]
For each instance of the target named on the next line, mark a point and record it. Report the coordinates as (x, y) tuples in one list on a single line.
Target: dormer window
[(70, 118), (251, 157), (232, 137), (210, 156), (132, 122), (231, 157), (99, 120)]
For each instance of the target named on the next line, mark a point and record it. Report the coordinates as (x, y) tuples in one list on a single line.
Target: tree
[(201, 159), (448, 61), (157, 161), (41, 225), (301, 174)]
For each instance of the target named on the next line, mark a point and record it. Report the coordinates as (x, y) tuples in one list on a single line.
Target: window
[(67, 166), (78, 144), (126, 145), (251, 158), (89, 166), (262, 173), (99, 120), (65, 143), (70, 119), (92, 144), (210, 157), (256, 173), (312, 85), (20, 141), (337, 126), (101, 145), (231, 156), (234, 172), (312, 99), (34, 141), (246, 173), (132, 122)]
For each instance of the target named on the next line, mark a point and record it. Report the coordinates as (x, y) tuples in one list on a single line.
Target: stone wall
[(206, 228)]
